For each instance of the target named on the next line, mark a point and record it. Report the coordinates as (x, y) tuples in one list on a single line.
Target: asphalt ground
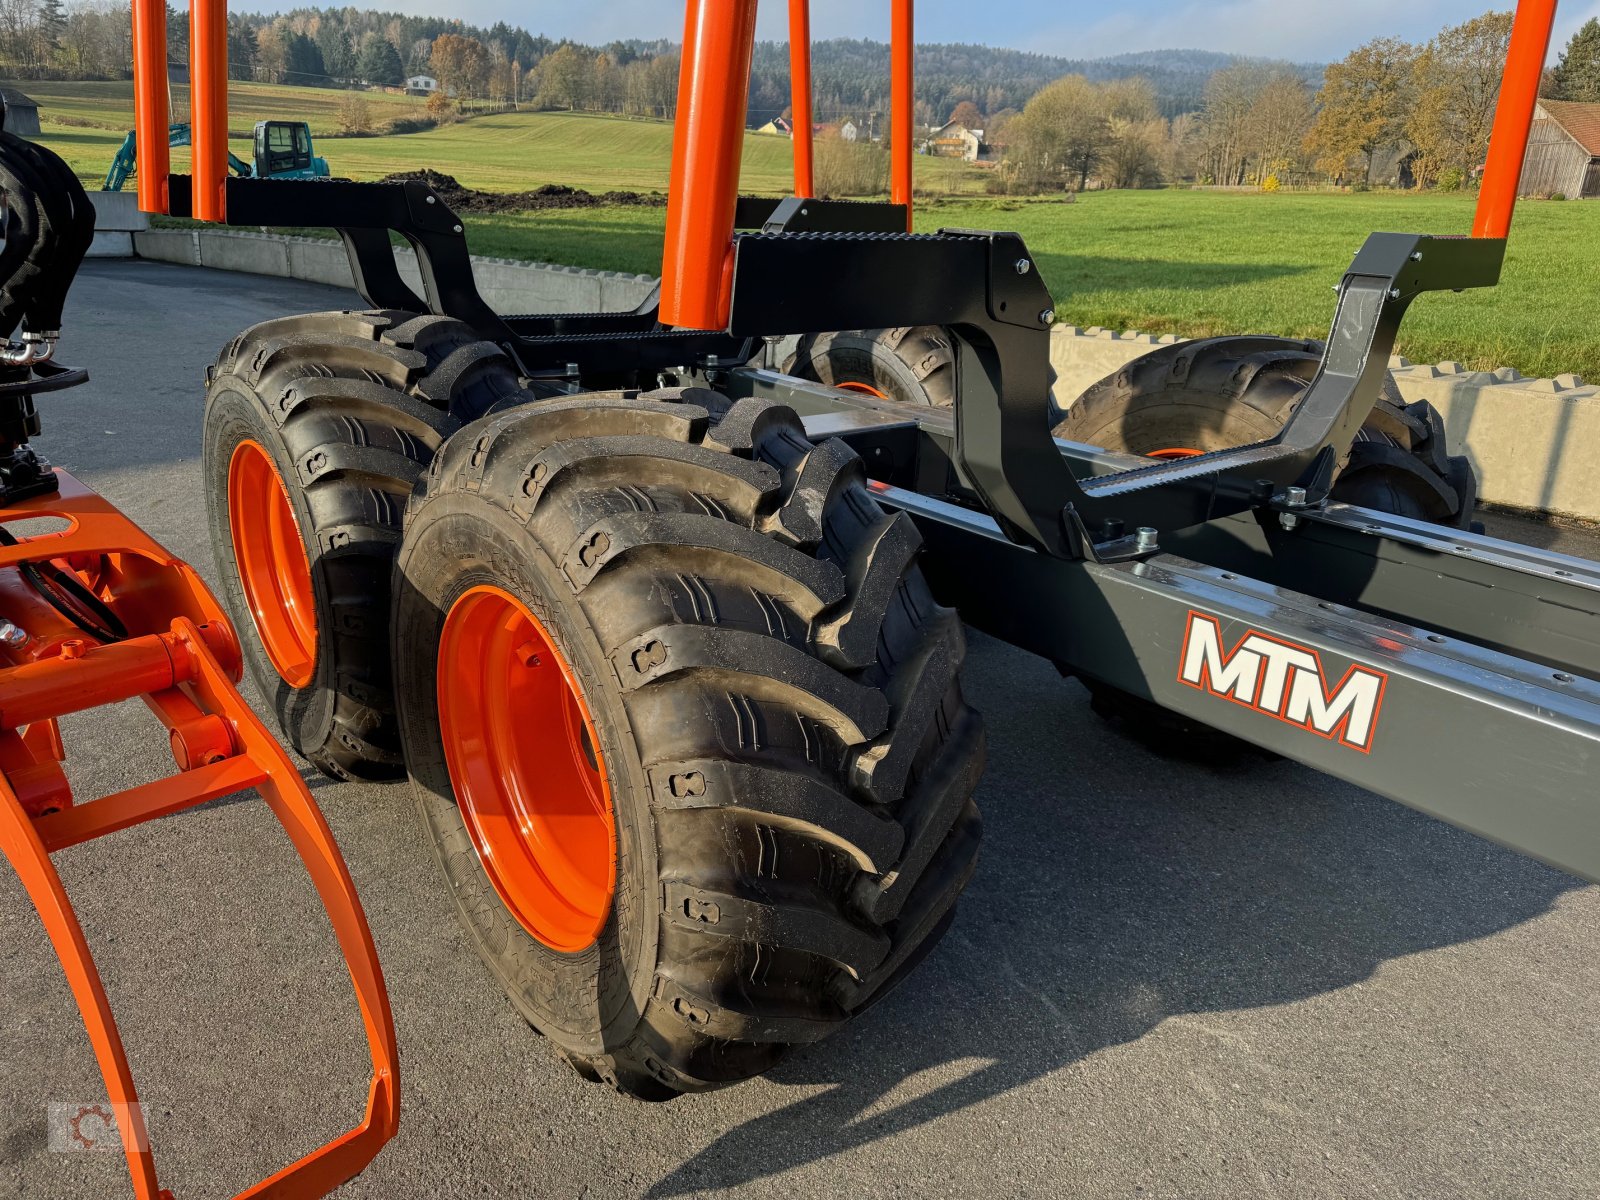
[(1165, 980)]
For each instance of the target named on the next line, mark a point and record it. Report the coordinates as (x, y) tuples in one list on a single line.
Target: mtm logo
[(1283, 680)]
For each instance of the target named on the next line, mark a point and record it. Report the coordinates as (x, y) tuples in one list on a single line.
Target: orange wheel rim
[(526, 768), (273, 568), (864, 388), (1174, 452)]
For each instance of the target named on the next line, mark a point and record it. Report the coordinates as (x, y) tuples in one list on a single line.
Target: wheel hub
[(274, 572), (526, 767)]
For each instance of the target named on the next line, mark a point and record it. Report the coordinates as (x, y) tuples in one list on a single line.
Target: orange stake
[(800, 95), (1513, 117), (208, 106), (151, 104), (902, 102), (707, 144)]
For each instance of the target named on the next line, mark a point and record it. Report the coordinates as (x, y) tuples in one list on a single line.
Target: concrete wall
[(507, 285), (116, 219), (1535, 442)]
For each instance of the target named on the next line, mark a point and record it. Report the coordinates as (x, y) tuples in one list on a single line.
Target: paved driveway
[(1164, 981)]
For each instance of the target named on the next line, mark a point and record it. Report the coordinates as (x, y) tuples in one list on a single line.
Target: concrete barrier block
[(118, 212), (319, 261), (1535, 446), (623, 293), (255, 253), (168, 245), (512, 287)]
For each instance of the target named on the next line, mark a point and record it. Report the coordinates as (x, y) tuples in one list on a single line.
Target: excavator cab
[(283, 151)]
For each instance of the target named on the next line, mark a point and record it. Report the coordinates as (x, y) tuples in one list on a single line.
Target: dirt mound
[(463, 199)]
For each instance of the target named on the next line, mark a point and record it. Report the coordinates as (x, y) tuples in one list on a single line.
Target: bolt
[(457, 229), (1416, 256), (13, 636), (72, 648), (1047, 316), (1394, 293), (1294, 497), (1145, 540), (1023, 266), (433, 199)]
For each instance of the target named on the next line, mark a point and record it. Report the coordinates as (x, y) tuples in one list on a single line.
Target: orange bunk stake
[(151, 104), (1513, 117), (800, 97), (707, 144), (902, 102), (167, 640), (208, 106)]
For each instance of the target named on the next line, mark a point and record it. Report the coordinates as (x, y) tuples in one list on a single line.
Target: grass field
[(110, 105), (503, 152), (1193, 263), (1200, 263)]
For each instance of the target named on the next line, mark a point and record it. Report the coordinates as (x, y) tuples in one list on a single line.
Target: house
[(421, 85), (955, 140), (777, 126), (22, 113), (849, 130), (1563, 151)]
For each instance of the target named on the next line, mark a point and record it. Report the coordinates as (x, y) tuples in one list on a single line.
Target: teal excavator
[(282, 151)]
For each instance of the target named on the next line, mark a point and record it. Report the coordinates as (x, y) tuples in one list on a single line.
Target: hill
[(852, 76)]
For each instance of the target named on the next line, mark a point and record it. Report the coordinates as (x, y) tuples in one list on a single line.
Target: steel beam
[(1501, 746)]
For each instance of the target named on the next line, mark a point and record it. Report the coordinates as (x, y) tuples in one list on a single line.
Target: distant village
[(953, 139)]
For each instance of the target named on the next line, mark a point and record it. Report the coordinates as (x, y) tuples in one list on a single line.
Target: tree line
[(346, 47), (1422, 112)]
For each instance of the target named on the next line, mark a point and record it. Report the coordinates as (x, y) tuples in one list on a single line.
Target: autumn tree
[(1060, 135), (1362, 106), (1275, 127), (1457, 87), (1577, 75), (967, 114), (566, 78), (461, 64), (1135, 134), (1230, 95), (355, 114)]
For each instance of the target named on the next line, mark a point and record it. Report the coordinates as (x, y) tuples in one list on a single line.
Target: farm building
[(778, 126), (422, 85), (955, 140), (22, 113), (1564, 151)]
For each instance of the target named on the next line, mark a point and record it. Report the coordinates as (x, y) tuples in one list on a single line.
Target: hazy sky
[(1303, 30)]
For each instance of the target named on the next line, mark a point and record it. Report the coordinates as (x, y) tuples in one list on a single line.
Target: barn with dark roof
[(22, 113)]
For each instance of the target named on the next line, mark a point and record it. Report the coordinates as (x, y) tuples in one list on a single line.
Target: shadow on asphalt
[(1118, 889)]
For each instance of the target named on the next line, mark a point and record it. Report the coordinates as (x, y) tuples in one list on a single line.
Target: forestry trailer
[(662, 612)]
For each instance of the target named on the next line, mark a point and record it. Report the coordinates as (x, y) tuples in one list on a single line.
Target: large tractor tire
[(1233, 391), (316, 429), (1224, 392), (915, 365), (685, 726)]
